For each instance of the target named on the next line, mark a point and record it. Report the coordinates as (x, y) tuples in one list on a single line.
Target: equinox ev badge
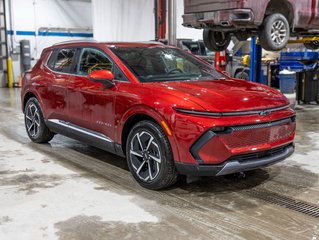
[(265, 113)]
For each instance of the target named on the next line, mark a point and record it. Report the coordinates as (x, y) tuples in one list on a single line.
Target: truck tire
[(216, 41), (274, 33)]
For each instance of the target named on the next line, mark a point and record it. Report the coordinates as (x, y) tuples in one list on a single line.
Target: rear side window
[(51, 60), (62, 60)]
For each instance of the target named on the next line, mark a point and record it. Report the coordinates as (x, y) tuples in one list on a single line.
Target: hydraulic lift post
[(255, 61)]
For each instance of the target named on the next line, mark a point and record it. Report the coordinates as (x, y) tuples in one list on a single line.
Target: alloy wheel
[(278, 32), (32, 120), (145, 156)]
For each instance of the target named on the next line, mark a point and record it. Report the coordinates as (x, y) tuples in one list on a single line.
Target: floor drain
[(286, 202)]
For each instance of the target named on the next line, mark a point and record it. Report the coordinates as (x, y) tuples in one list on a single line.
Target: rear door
[(57, 73)]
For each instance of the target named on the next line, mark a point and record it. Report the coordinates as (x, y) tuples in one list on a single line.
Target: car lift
[(256, 55)]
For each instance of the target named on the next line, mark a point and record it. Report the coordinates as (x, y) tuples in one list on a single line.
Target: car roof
[(108, 44)]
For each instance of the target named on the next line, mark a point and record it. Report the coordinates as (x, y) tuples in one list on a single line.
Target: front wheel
[(149, 156), (275, 32), (216, 41)]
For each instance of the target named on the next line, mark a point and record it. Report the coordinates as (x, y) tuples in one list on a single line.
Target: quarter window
[(91, 60), (64, 60)]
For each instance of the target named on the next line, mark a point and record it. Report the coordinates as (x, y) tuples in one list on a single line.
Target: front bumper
[(238, 163), (223, 18)]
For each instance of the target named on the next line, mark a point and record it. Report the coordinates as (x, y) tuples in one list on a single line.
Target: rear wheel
[(150, 157), (275, 32), (216, 41), (34, 122), (312, 45)]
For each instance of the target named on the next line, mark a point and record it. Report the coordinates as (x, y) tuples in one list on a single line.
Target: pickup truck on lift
[(274, 21)]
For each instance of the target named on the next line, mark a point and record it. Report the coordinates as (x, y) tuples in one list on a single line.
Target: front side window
[(152, 64), (93, 59), (64, 60)]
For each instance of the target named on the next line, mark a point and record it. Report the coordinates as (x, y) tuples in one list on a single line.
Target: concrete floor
[(68, 190)]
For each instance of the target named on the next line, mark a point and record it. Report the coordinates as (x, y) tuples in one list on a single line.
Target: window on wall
[(93, 59), (64, 60)]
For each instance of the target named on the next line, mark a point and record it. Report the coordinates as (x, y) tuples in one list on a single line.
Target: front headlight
[(199, 113)]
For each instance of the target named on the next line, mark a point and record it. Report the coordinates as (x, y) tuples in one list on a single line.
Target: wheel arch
[(283, 7), (29, 94), (141, 113), (26, 98)]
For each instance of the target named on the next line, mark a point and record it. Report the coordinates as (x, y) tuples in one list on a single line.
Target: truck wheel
[(149, 156), (312, 45), (275, 32), (216, 41)]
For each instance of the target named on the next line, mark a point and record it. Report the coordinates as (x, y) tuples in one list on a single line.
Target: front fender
[(152, 113)]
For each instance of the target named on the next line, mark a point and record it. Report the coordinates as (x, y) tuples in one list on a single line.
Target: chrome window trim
[(73, 74)]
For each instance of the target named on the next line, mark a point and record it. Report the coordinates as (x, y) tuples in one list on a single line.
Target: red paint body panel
[(91, 105)]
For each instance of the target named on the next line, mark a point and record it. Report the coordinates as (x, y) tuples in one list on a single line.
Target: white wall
[(31, 16), (123, 20), (181, 31), (132, 20)]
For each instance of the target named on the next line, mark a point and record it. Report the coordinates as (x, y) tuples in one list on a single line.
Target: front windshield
[(155, 64)]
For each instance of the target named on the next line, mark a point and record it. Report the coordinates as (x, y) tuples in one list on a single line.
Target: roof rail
[(75, 41)]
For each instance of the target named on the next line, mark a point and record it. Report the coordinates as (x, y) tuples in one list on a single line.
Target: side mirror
[(105, 77)]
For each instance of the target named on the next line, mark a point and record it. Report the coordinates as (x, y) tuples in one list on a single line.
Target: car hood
[(227, 95)]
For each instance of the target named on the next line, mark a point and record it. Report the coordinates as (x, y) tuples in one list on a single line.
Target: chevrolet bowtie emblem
[(265, 113)]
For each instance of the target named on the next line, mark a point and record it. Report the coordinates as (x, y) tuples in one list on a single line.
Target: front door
[(91, 104)]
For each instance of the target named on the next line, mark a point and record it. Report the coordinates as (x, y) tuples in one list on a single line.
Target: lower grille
[(259, 155), (253, 135)]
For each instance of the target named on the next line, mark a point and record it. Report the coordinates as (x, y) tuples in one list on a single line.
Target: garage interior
[(69, 190)]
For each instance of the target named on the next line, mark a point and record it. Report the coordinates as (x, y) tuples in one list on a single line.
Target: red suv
[(274, 21), (166, 110)]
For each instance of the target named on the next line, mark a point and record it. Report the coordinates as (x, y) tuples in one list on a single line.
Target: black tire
[(242, 35), (165, 171), (274, 33), (35, 126), (312, 45), (242, 75), (216, 41)]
